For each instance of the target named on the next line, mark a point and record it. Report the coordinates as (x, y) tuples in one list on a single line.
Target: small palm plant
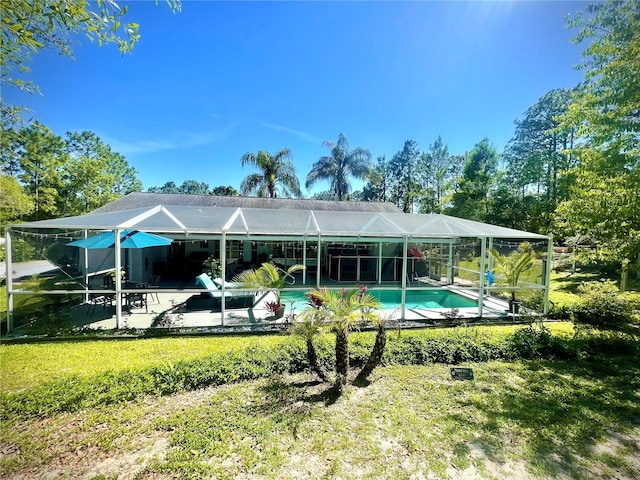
[(343, 311), (268, 277), (514, 265), (375, 357), (308, 325)]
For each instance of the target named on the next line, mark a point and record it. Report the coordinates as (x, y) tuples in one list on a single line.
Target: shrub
[(74, 393), (560, 312), (212, 266), (459, 346), (260, 360), (537, 342), (607, 342), (601, 305), (534, 300)]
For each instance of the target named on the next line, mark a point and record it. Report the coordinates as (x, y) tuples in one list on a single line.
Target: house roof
[(194, 220), (137, 200)]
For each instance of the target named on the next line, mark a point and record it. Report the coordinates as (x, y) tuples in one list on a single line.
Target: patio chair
[(137, 300), (213, 297), (103, 299), (154, 283)]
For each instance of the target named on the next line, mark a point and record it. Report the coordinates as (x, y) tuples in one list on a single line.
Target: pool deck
[(168, 311)]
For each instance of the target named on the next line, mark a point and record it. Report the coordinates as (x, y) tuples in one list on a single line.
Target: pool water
[(390, 299)]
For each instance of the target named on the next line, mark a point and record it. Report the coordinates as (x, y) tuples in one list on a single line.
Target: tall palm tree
[(342, 164), (277, 175)]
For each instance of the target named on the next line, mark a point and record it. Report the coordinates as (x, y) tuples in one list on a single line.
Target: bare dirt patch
[(71, 450), (399, 426)]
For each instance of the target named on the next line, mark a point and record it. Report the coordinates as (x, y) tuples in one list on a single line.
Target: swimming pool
[(390, 299)]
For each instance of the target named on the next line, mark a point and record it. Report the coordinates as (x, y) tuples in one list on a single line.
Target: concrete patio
[(169, 311)]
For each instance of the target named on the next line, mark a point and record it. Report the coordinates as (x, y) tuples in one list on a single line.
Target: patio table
[(133, 298)]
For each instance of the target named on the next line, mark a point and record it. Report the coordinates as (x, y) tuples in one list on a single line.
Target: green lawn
[(30, 364), (516, 420)]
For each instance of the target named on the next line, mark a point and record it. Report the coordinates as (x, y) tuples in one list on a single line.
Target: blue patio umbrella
[(128, 239)]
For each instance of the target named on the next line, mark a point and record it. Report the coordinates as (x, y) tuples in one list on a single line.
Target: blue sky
[(217, 80)]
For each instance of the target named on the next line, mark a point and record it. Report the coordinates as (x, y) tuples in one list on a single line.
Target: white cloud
[(140, 146), (304, 135), (178, 140), (195, 139)]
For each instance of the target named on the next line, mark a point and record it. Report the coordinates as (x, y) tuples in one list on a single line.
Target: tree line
[(48, 176), (571, 167)]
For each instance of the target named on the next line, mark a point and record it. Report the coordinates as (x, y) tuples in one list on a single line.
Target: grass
[(520, 419), (525, 419), (32, 364), (28, 365), (564, 286)]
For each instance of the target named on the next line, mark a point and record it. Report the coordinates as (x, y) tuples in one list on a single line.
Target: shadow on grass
[(571, 282), (361, 382), (280, 394), (290, 404), (574, 419), (563, 411)]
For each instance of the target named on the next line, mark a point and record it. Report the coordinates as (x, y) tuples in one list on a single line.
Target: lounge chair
[(213, 298)]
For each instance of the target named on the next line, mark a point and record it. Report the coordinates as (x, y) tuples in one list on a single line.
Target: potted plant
[(212, 266), (123, 275), (275, 309), (512, 266), (268, 277)]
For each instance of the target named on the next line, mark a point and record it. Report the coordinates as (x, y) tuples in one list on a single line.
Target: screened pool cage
[(423, 268)]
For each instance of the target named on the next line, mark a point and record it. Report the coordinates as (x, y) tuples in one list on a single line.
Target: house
[(342, 244)]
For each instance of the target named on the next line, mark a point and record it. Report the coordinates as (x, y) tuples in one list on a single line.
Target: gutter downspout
[(318, 256), (380, 262), (223, 261), (489, 265), (450, 265), (304, 260), (85, 258)]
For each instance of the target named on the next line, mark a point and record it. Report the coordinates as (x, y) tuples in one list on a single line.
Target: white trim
[(232, 219), (138, 218), (173, 217)]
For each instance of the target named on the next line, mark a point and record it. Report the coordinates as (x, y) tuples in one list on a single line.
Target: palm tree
[(514, 265), (277, 174), (342, 311), (308, 325), (375, 356), (267, 277), (339, 166)]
